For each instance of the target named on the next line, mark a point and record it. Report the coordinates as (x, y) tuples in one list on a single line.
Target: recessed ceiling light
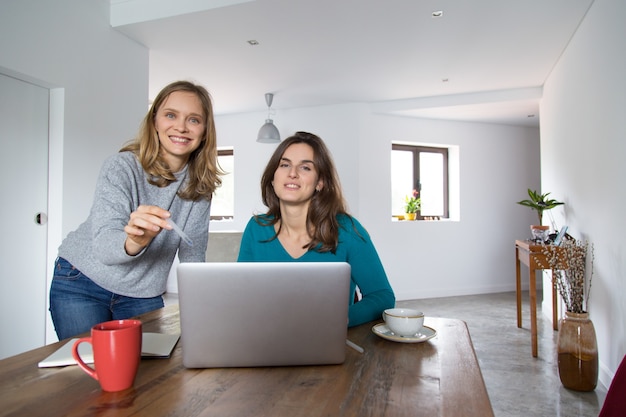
[(253, 42), (438, 13)]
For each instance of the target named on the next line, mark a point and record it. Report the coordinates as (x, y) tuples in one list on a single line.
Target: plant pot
[(577, 352), (539, 233), (410, 216)]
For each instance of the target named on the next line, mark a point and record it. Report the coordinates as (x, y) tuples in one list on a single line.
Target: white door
[(23, 214)]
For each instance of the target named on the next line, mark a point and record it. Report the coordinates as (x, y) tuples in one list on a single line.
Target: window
[(223, 205), (421, 168)]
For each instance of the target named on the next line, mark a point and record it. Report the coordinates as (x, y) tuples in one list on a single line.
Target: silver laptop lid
[(252, 314)]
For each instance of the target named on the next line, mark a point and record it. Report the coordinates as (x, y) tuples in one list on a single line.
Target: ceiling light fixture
[(268, 133)]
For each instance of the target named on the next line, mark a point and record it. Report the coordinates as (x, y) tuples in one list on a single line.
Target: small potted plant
[(412, 205), (540, 203)]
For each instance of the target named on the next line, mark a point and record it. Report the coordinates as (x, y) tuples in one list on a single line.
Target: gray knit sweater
[(96, 248)]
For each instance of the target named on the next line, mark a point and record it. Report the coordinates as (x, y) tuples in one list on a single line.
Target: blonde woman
[(116, 264)]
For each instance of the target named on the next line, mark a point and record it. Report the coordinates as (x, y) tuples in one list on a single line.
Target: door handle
[(41, 219)]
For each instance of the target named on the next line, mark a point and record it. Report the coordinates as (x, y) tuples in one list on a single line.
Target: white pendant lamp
[(268, 133)]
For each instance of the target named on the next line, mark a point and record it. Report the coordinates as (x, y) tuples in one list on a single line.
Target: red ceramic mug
[(116, 353)]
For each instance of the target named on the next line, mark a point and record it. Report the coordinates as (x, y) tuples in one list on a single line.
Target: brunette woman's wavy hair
[(326, 204), (203, 171)]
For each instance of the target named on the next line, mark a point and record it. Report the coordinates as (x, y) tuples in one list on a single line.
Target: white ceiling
[(483, 60)]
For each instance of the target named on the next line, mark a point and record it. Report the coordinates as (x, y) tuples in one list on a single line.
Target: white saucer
[(383, 331)]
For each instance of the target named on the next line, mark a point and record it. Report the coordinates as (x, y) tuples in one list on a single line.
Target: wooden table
[(531, 254), (440, 377)]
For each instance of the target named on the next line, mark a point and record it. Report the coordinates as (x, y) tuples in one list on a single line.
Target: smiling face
[(180, 125), (296, 178)]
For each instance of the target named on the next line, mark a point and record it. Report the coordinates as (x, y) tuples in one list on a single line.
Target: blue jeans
[(77, 303)]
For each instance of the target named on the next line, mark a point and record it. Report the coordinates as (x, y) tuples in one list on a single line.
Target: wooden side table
[(530, 254)]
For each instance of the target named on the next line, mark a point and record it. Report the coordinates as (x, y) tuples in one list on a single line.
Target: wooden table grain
[(440, 377)]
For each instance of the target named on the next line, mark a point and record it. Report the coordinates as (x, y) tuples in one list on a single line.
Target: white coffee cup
[(405, 322)]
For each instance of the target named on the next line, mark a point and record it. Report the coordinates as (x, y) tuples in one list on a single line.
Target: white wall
[(423, 259), (100, 93), (475, 254), (583, 147)]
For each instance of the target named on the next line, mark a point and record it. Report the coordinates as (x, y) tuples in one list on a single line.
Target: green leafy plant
[(412, 203), (539, 202)]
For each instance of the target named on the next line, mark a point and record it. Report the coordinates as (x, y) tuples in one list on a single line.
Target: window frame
[(224, 152), (416, 150)]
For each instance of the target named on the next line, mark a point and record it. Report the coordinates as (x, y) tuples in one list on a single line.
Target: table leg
[(518, 288), (533, 309), (555, 306)]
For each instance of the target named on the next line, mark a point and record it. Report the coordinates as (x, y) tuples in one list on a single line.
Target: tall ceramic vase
[(577, 352)]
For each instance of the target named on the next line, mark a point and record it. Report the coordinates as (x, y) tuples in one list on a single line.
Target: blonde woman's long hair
[(203, 172)]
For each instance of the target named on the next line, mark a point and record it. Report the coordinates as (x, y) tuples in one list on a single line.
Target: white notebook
[(153, 345)]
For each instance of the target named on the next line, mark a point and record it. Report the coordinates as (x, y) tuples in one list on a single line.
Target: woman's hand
[(144, 224)]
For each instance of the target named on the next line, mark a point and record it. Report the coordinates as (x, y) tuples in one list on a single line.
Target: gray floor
[(517, 383)]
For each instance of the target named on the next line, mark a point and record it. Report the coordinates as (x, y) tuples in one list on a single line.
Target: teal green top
[(355, 247)]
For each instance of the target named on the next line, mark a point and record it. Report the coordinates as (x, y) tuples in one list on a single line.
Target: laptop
[(255, 314)]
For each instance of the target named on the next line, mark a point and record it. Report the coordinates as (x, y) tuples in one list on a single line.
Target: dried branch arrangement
[(570, 264)]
